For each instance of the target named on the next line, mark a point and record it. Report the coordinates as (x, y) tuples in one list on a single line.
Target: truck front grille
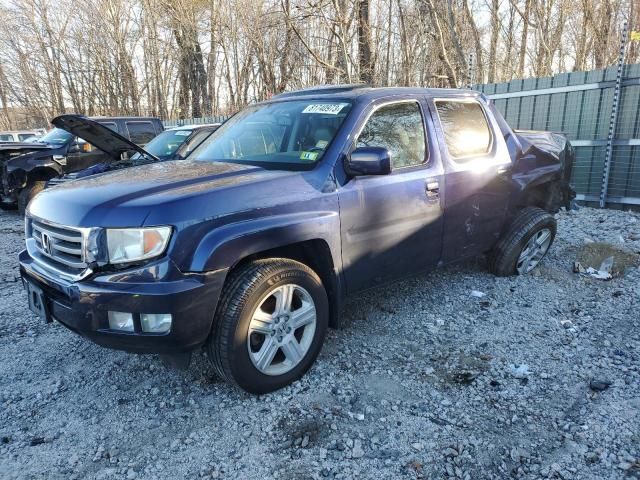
[(57, 247)]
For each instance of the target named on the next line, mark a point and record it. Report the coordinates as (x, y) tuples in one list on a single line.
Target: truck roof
[(352, 91)]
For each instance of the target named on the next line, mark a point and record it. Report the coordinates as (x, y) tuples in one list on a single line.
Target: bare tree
[(191, 58)]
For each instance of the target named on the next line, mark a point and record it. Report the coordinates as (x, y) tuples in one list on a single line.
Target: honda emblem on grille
[(47, 244)]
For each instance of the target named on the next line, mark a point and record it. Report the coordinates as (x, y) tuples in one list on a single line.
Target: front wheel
[(270, 325), (27, 194), (524, 244)]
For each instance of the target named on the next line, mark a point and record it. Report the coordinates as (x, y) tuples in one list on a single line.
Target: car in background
[(26, 167), (17, 136), (176, 143)]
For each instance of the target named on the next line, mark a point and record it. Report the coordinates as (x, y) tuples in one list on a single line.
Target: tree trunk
[(478, 44), (493, 45), (524, 38), (451, 73), (365, 63)]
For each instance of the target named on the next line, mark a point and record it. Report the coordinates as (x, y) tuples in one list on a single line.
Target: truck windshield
[(57, 136), (290, 135)]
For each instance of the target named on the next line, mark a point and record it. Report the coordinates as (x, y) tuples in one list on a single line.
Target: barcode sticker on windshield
[(325, 108)]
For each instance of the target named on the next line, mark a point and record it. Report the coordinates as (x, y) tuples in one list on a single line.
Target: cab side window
[(110, 126), (141, 133), (465, 128), (399, 128)]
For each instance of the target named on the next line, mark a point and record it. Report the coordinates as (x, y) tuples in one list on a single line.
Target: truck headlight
[(127, 245)]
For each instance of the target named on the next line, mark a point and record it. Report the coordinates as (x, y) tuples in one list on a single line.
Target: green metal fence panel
[(557, 108), (194, 121), (578, 104)]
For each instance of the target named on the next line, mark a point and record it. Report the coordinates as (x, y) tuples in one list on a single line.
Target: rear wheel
[(27, 194), (270, 325), (524, 244)]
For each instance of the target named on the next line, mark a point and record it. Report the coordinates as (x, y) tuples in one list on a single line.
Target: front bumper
[(160, 287)]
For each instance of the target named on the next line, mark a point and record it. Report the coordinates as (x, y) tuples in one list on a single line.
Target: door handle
[(432, 189)]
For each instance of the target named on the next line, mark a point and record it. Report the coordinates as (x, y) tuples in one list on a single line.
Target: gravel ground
[(428, 381)]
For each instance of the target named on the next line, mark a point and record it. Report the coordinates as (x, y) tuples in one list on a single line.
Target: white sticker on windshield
[(183, 133), (325, 108)]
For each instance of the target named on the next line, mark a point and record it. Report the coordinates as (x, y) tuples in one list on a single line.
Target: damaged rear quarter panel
[(545, 161)]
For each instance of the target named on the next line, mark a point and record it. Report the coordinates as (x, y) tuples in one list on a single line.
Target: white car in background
[(19, 136)]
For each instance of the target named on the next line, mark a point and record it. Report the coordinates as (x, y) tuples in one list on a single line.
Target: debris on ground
[(604, 261), (519, 371), (599, 385)]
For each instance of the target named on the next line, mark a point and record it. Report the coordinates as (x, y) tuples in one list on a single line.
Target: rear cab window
[(465, 127)]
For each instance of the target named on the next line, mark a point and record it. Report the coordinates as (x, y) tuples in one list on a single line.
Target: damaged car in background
[(250, 246), (175, 143), (27, 167)]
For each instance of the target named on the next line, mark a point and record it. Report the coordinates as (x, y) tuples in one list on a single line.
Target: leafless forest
[(193, 58)]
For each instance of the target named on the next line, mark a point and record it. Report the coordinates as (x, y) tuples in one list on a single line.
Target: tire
[(528, 230), (241, 357), (27, 194)]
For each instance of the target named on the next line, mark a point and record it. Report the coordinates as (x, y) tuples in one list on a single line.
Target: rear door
[(477, 175), (391, 225)]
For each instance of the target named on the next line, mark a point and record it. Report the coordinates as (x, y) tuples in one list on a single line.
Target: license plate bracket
[(38, 302)]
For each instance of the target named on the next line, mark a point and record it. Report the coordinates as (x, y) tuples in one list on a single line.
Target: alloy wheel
[(533, 251), (281, 330)]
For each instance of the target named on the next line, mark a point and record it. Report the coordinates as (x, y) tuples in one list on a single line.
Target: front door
[(391, 225)]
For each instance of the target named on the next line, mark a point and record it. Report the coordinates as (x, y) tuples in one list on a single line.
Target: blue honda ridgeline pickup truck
[(249, 247)]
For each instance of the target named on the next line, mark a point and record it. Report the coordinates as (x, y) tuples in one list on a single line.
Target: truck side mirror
[(369, 161), (79, 146)]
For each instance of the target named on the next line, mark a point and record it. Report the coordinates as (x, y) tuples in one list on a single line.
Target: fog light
[(121, 321), (155, 322)]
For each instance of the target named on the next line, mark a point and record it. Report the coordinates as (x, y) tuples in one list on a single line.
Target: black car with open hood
[(175, 143), (75, 144)]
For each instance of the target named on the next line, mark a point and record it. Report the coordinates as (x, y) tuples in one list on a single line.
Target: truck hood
[(99, 168), (127, 197), (97, 134)]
